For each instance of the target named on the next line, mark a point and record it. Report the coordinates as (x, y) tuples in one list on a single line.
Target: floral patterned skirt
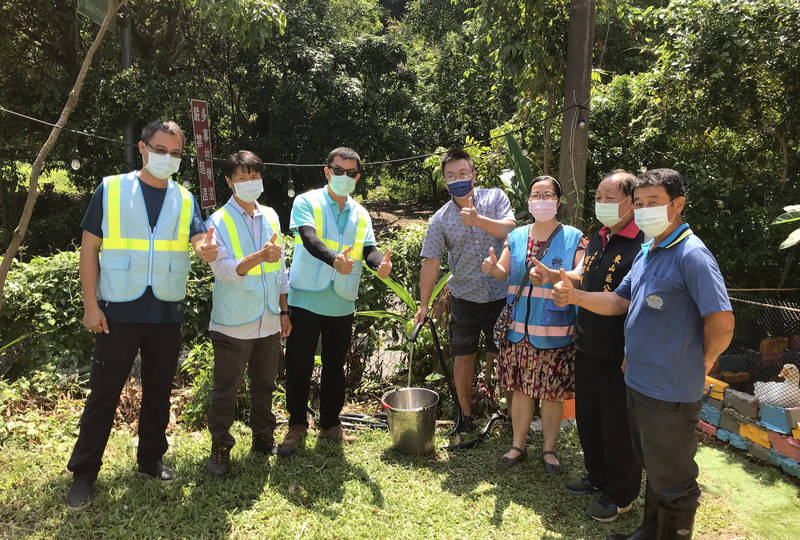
[(539, 373)]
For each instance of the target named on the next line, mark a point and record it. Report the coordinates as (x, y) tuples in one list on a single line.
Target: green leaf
[(438, 288), (790, 215), (433, 377), (791, 240), (398, 289)]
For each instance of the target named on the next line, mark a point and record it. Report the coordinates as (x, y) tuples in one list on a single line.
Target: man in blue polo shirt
[(678, 321), (133, 292)]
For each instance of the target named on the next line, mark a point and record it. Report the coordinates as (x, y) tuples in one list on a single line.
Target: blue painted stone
[(710, 414), (774, 418)]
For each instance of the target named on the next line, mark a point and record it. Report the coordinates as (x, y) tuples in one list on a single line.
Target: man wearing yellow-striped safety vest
[(134, 264), (333, 239), (250, 314)]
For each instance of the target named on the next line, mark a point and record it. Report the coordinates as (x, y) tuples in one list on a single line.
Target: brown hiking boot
[(293, 438), (336, 433)]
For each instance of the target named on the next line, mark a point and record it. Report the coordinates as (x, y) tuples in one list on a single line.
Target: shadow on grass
[(472, 474), (133, 505), (315, 478)]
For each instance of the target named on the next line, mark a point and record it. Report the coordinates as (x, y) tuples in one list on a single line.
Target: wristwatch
[(287, 312)]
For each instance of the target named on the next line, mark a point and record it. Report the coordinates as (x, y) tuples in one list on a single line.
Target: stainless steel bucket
[(412, 418)]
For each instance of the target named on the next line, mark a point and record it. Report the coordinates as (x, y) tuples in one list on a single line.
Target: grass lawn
[(365, 490)]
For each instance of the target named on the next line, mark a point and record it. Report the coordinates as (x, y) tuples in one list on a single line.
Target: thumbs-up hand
[(541, 274), (563, 291), (208, 249), (489, 262), (468, 215), (385, 268), (342, 263), (272, 251)]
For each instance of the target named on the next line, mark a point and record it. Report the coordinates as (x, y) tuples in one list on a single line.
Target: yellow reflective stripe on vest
[(114, 218), (276, 228), (233, 233), (183, 222), (115, 240), (357, 253)]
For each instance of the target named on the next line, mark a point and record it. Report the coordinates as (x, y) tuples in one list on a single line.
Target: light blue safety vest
[(308, 273), (535, 315), (133, 256), (242, 302)]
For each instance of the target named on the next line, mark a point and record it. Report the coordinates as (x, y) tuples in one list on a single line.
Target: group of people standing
[(650, 321), (651, 317), (134, 266)]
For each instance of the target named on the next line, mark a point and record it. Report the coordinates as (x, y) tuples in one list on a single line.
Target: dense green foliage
[(709, 87)]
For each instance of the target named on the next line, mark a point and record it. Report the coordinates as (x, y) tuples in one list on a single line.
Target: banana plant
[(518, 182), (792, 213)]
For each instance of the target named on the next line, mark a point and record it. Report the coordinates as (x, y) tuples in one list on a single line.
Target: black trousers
[(300, 348), (261, 357), (602, 416), (114, 354), (664, 436)]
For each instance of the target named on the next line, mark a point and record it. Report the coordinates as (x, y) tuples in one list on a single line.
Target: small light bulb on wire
[(290, 187), (581, 122), (76, 160)]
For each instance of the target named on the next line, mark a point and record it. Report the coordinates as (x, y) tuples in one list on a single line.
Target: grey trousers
[(664, 437), (231, 356)]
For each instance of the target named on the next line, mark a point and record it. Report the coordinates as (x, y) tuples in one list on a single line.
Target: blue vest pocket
[(553, 315), (180, 266)]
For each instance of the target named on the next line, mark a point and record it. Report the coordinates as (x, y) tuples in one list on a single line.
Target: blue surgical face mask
[(460, 187), (162, 166), (342, 185)]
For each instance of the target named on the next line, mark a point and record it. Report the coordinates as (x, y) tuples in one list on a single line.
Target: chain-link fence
[(764, 357)]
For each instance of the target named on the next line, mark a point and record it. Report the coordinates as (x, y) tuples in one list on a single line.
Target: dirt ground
[(387, 215)]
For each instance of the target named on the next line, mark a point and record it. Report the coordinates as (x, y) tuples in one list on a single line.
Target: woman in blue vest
[(537, 361)]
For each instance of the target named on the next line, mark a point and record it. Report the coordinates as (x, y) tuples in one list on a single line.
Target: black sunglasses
[(338, 171)]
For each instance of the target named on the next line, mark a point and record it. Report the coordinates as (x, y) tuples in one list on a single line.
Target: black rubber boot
[(217, 464), (159, 471), (676, 524), (649, 529)]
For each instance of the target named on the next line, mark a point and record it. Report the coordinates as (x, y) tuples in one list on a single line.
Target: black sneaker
[(157, 469), (603, 511), (581, 486), (263, 444), (217, 464), (80, 490)]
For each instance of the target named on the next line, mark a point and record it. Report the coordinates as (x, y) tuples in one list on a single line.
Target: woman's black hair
[(552, 180)]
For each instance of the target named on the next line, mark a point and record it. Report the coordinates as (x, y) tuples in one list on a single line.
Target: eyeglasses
[(547, 196), (162, 151), (339, 171)]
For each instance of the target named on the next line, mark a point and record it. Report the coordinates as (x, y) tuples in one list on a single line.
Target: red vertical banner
[(202, 143)]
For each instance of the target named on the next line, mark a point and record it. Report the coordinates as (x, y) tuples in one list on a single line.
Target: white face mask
[(653, 220), (543, 210), (248, 191), (162, 166), (607, 213)]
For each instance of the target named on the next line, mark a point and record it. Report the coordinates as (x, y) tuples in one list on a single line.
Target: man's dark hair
[(670, 179), (626, 180), (165, 126), (545, 178), (243, 159), (344, 153), (455, 154)]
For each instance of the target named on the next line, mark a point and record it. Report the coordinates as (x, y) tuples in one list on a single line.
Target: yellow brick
[(718, 390), (755, 434)]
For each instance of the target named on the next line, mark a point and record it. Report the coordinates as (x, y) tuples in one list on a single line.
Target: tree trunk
[(574, 139), (548, 127), (38, 164)]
